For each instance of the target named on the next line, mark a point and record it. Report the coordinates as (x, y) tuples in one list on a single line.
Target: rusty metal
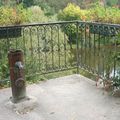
[(17, 75)]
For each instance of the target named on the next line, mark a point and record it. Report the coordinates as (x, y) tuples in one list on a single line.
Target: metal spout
[(19, 65)]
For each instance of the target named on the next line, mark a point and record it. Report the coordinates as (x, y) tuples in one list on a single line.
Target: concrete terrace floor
[(67, 98)]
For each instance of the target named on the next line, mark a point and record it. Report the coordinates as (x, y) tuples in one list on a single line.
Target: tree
[(112, 2), (28, 3), (18, 1)]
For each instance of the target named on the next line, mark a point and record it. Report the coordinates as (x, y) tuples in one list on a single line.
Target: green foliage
[(1, 3), (37, 14), (13, 16), (115, 40), (4, 70), (71, 12), (48, 10), (98, 14), (105, 15), (111, 2), (28, 3), (19, 15), (54, 4), (60, 4)]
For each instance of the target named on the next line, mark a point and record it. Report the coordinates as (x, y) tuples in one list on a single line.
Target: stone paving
[(72, 97)]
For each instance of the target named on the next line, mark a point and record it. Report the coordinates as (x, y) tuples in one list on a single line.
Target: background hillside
[(60, 4), (56, 5)]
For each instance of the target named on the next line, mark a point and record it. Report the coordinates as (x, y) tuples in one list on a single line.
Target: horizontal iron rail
[(53, 71), (61, 22)]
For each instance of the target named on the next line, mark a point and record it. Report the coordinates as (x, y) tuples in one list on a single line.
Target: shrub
[(105, 15), (4, 73), (37, 14), (28, 3), (71, 12), (111, 2), (49, 11), (12, 16)]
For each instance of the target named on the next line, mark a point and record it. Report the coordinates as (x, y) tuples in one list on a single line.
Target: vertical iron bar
[(89, 38), (31, 48), (81, 38), (31, 45), (8, 40), (115, 57), (58, 47), (98, 54), (16, 43), (77, 44), (94, 67), (85, 63), (103, 56), (24, 45), (38, 49), (52, 47), (65, 61), (45, 48)]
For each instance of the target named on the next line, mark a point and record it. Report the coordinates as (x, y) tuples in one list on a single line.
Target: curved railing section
[(51, 47)]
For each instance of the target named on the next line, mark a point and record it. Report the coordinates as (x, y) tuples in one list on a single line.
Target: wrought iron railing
[(50, 47)]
